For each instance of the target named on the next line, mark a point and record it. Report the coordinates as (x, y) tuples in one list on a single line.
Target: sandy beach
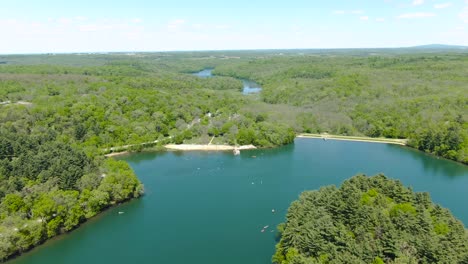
[(207, 147), (114, 154), (210, 147)]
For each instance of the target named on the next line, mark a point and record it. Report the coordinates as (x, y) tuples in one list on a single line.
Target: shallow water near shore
[(210, 207)]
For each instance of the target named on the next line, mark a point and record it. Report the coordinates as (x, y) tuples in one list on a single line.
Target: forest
[(57, 121), (420, 97), (370, 220), (60, 113), (394, 93)]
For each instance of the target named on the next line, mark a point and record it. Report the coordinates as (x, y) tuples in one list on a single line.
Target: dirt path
[(353, 138)]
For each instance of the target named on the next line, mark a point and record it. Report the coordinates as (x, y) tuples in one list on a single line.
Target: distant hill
[(438, 47)]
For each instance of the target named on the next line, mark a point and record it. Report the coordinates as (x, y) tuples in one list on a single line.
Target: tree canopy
[(59, 113), (370, 220)]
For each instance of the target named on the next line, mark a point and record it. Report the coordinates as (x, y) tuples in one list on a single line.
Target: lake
[(206, 73), (206, 207), (250, 87)]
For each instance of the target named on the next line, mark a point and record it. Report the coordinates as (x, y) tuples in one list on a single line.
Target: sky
[(59, 26)]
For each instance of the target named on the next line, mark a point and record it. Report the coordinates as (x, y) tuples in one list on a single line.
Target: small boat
[(263, 230), (273, 210), (265, 227), (120, 212), (236, 151)]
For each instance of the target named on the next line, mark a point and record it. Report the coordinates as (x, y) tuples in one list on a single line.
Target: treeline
[(103, 112), (421, 97), (48, 187), (370, 220)]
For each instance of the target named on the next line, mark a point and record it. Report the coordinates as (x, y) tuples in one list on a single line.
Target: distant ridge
[(438, 46), (428, 48)]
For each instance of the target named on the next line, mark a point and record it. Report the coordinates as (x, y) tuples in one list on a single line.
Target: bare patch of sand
[(114, 154), (207, 147)]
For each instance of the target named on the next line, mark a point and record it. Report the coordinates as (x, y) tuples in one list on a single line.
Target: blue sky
[(43, 26)]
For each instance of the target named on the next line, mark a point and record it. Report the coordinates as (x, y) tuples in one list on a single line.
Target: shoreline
[(188, 147), (62, 235), (114, 154), (209, 147), (401, 142)]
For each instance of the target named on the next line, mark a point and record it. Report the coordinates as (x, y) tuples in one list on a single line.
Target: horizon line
[(426, 46)]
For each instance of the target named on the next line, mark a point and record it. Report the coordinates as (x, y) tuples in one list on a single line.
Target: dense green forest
[(49, 187), (421, 97), (59, 113), (57, 120), (370, 220)]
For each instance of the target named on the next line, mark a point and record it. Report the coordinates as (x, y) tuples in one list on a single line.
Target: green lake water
[(205, 207)]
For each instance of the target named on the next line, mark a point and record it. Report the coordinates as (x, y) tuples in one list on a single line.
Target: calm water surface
[(206, 73), (250, 87), (210, 207)]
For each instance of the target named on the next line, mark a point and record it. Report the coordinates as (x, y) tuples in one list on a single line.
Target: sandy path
[(207, 147), (353, 138)]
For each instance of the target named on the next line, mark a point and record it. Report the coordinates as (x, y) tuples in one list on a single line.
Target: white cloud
[(175, 24), (464, 14), (64, 21), (88, 28), (365, 18), (95, 27), (137, 20), (197, 26), (418, 2), (443, 5), (339, 12), (81, 18), (221, 27), (416, 15), (380, 19), (342, 12)]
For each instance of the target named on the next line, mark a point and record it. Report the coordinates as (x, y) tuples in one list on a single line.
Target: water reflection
[(432, 164), (206, 73), (250, 87)]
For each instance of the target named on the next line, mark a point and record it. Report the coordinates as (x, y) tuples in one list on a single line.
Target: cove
[(206, 207), (250, 87)]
